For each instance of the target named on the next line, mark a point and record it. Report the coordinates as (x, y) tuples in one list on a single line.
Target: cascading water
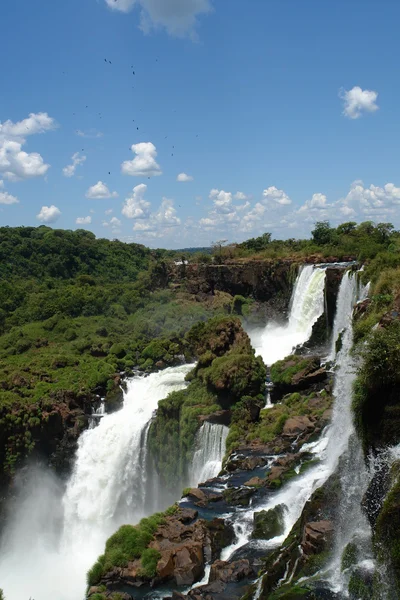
[(328, 449), (56, 538), (346, 299), (307, 305), (210, 449)]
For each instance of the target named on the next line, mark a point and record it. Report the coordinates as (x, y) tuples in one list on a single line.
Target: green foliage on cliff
[(376, 403), (283, 371), (226, 371), (386, 534), (130, 542), (172, 432)]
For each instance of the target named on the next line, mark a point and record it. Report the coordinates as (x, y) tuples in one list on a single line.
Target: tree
[(346, 228), (322, 233), (384, 231), (257, 244)]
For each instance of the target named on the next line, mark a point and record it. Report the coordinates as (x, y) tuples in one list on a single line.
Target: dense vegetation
[(227, 370), (130, 543)]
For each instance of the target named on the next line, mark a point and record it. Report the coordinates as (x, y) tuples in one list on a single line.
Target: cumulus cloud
[(49, 214), (155, 224), (89, 133), (135, 206), (1, 184), (373, 202), (15, 163), (222, 200), (178, 17), (357, 102), (108, 211), (144, 164), (100, 191), (182, 177), (6, 198), (278, 196), (166, 214), (83, 220), (315, 206), (240, 196), (69, 170)]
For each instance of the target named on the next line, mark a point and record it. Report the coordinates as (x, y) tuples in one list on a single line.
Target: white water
[(210, 450), (346, 299), (53, 539), (328, 449), (307, 305)]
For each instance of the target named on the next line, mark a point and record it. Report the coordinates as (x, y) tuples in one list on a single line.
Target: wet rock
[(255, 482), (230, 572), (238, 496), (269, 523), (219, 417), (317, 537), (202, 497)]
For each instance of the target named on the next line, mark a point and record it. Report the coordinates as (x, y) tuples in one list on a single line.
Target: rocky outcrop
[(184, 544), (297, 373), (269, 523)]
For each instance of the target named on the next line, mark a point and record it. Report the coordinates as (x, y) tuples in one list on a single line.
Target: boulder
[(255, 482), (297, 425), (230, 572), (238, 496), (317, 536), (269, 523)]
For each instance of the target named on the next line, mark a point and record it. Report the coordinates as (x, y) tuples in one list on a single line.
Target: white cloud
[(108, 212), (318, 202), (1, 184), (183, 177), (77, 160), (275, 195), (166, 214), (15, 163), (114, 222), (356, 102), (89, 133), (49, 214), (100, 191), (144, 164), (244, 206), (178, 17), (135, 206), (372, 203), (222, 200), (6, 198), (83, 220), (240, 196)]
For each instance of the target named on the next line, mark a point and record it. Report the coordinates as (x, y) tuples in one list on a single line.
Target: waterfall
[(55, 536), (210, 449), (346, 299), (327, 450), (306, 306)]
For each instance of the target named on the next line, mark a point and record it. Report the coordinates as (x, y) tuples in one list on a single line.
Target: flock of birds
[(107, 61)]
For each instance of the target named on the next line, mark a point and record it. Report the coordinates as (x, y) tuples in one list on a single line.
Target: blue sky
[(275, 114)]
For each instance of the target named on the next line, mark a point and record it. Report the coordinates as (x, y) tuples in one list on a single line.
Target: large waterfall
[(306, 306), (209, 452), (55, 537)]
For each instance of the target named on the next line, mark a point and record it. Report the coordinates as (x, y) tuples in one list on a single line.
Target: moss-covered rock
[(296, 373), (386, 534), (269, 523), (376, 398)]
